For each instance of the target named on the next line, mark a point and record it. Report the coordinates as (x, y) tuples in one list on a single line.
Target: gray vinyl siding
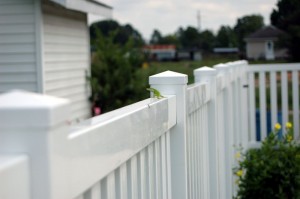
[(18, 68), (66, 57)]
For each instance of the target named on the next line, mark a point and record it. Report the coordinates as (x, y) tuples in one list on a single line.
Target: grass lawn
[(185, 67)]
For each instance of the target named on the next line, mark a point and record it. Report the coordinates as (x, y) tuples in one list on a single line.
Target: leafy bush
[(115, 81), (272, 171)]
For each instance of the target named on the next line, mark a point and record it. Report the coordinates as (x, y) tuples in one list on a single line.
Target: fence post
[(244, 103), (36, 125), (172, 83), (208, 75), (226, 119)]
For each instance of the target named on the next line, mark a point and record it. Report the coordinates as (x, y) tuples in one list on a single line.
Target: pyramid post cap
[(168, 77)]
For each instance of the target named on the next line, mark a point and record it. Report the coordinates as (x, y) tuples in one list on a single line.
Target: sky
[(168, 15)]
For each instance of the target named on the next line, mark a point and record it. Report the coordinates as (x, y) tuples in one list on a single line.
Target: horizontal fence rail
[(14, 177), (181, 146)]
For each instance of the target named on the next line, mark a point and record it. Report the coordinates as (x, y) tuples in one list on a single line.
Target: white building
[(261, 44), (45, 48)]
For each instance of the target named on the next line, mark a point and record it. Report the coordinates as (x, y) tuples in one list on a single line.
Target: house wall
[(66, 57), (18, 45), (255, 49)]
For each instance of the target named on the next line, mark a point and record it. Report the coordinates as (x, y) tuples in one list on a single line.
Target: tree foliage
[(123, 33), (245, 26), (156, 37), (114, 78), (226, 37), (287, 18), (207, 40)]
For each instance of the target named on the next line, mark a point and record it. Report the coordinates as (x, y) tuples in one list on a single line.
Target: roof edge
[(87, 6)]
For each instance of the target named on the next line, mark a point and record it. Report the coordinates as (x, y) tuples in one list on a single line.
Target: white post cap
[(222, 68), (205, 71), (19, 109), (168, 77)]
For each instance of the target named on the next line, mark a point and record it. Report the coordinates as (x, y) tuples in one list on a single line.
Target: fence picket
[(96, 191), (274, 105), (164, 167), (144, 177), (168, 159), (295, 80), (151, 171), (262, 105), (284, 98), (158, 169), (252, 108), (111, 186), (134, 178), (123, 181)]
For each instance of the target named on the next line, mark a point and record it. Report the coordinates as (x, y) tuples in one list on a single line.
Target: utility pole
[(199, 20)]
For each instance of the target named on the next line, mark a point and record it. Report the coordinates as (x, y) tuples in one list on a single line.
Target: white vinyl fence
[(178, 147), (277, 88)]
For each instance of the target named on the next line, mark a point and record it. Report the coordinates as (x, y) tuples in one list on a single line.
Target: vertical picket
[(284, 97), (151, 172), (164, 167), (134, 178), (111, 186), (144, 177), (274, 105), (96, 191), (252, 107), (262, 105), (123, 181), (158, 167), (295, 80), (244, 98), (169, 166), (189, 157)]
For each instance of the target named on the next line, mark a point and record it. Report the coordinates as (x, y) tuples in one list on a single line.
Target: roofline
[(87, 6), (260, 39), (101, 4)]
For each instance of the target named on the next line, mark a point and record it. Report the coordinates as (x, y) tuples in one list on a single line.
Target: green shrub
[(115, 79), (272, 171)]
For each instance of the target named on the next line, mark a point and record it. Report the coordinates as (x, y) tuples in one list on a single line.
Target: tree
[(123, 33), (207, 40), (287, 18), (114, 78), (245, 26), (190, 38), (170, 39), (226, 37), (155, 37)]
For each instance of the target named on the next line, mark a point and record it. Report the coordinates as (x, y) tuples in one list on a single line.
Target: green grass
[(185, 67)]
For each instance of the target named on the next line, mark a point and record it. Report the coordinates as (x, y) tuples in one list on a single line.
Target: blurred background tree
[(122, 35), (245, 26), (226, 37), (114, 73), (287, 18)]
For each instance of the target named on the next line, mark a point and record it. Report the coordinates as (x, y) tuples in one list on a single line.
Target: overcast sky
[(168, 15)]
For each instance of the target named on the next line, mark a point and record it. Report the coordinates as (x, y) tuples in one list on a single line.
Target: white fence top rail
[(14, 177), (273, 67), (94, 149)]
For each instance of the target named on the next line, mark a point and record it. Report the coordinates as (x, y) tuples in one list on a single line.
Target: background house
[(45, 48), (261, 44), (160, 52)]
